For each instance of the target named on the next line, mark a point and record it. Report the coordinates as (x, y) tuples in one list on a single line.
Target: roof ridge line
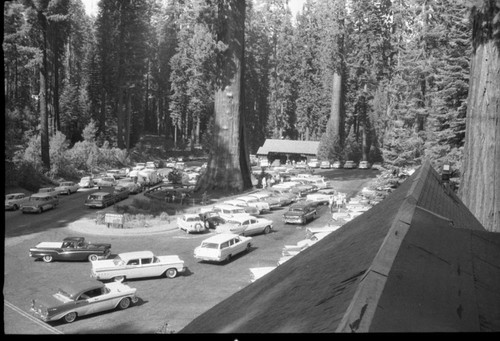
[(361, 310)]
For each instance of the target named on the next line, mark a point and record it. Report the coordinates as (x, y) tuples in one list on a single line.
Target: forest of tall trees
[(376, 80)]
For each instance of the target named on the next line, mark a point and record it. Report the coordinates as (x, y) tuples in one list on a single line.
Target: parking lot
[(173, 301)]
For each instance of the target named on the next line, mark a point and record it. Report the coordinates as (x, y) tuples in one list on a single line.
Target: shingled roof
[(419, 261), (289, 147)]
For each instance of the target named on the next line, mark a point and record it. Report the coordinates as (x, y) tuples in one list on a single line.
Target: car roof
[(300, 204), (136, 254), (100, 193), (221, 237), (15, 194), (43, 194), (191, 215), (73, 239), (226, 206)]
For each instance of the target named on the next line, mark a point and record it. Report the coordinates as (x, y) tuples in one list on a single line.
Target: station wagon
[(222, 247), (40, 202), (100, 200)]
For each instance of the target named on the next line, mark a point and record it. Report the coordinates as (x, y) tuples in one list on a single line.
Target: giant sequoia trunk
[(480, 179), (44, 115), (228, 165)]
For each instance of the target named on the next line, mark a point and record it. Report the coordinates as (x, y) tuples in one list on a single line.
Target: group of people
[(337, 201)]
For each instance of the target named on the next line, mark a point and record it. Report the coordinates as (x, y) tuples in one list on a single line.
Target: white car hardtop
[(137, 264), (246, 226)]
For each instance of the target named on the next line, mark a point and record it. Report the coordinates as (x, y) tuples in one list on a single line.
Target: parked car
[(252, 210), (211, 219), (67, 187), (318, 181), (222, 247), (337, 164), (138, 264), (324, 164), (272, 200), (107, 181), (364, 165), (121, 193), (226, 211), (377, 166), (350, 165), (313, 163), (51, 190), (132, 186), (246, 226), (252, 201), (83, 298), (40, 202), (151, 165), (301, 165), (190, 222), (86, 182), (300, 213), (139, 166), (100, 200), (70, 249), (116, 173), (13, 201), (322, 197)]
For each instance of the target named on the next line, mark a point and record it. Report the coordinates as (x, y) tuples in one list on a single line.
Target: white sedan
[(252, 201), (246, 226), (67, 187), (323, 196), (191, 222), (137, 264)]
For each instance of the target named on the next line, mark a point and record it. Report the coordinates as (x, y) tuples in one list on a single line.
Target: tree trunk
[(44, 117), (228, 167), (480, 178), (336, 112)]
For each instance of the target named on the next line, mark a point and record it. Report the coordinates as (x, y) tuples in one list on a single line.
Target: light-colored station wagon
[(222, 247)]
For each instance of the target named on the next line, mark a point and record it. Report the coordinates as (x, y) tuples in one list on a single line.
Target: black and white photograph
[(248, 167)]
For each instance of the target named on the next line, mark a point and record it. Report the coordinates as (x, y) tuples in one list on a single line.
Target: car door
[(133, 268), (252, 227), (149, 268), (89, 302), (237, 245)]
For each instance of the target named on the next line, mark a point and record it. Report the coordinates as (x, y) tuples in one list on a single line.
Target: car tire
[(249, 246), (47, 258), (93, 257), (171, 273), (124, 303), (68, 192), (70, 317), (228, 258), (15, 207), (119, 279), (267, 229)]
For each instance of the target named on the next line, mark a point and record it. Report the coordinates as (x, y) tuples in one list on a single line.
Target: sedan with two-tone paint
[(70, 249), (138, 264), (83, 298), (246, 226)]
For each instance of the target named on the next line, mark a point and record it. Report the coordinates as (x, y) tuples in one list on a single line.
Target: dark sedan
[(71, 248)]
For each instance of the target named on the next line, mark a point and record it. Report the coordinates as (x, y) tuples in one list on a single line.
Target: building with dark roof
[(288, 150), (419, 261)]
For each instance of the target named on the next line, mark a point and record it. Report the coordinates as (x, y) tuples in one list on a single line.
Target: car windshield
[(94, 197), (66, 184), (10, 196), (210, 245), (35, 199), (297, 209)]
